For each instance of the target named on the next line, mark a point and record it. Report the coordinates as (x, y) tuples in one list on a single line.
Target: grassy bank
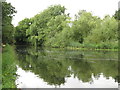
[(8, 67), (81, 48), (98, 47)]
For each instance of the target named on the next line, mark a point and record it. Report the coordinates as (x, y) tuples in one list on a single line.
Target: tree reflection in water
[(54, 65)]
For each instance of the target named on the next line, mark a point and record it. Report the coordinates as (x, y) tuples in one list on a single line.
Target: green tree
[(20, 32), (7, 28), (82, 25), (104, 34), (39, 28), (117, 15), (58, 28)]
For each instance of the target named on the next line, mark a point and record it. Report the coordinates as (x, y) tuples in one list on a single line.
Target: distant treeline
[(53, 27)]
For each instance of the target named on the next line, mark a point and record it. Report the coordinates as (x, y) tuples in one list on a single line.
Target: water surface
[(64, 68)]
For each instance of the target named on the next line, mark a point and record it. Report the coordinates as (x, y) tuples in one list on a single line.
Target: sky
[(29, 8)]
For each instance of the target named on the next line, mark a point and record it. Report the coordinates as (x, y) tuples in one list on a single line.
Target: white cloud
[(29, 8)]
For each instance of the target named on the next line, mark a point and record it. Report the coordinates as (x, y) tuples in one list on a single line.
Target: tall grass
[(8, 67)]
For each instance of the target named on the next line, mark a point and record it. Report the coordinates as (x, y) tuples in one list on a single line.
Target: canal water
[(66, 68)]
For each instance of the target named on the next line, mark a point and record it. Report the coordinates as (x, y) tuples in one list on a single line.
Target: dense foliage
[(46, 25), (7, 53), (117, 14), (7, 28), (54, 28), (20, 32)]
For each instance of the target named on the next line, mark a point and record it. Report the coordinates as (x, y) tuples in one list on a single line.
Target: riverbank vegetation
[(8, 30), (8, 53), (53, 27), (8, 67)]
